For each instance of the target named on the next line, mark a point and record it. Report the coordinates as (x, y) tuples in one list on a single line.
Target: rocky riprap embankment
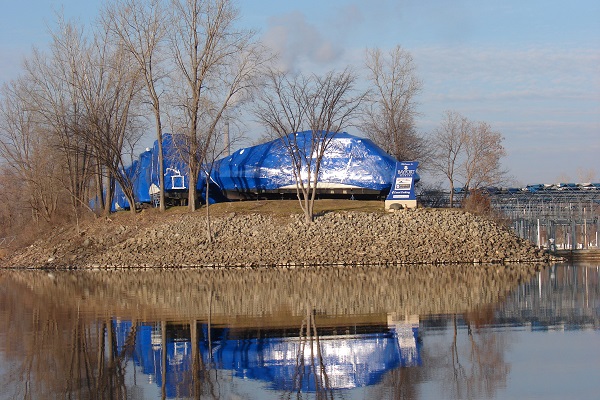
[(426, 236)]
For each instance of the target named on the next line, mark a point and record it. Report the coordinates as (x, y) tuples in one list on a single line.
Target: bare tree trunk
[(209, 236), (161, 168), (109, 188), (99, 186), (193, 179), (142, 27), (163, 359)]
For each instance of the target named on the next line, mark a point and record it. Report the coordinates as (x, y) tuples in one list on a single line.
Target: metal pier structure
[(557, 217), (564, 216)]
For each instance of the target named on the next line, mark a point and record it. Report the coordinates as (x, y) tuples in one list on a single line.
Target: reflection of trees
[(311, 358), (473, 365), (110, 377), (63, 352), (401, 383), (59, 351), (204, 376), (486, 369), (200, 371)]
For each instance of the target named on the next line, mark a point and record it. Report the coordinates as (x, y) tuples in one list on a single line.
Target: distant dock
[(580, 254)]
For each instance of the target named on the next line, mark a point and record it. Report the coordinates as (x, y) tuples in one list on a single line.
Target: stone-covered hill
[(423, 236)]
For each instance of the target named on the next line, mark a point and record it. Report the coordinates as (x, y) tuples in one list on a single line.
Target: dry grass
[(286, 207), (270, 207)]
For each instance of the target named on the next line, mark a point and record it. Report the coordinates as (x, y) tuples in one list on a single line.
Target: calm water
[(455, 332)]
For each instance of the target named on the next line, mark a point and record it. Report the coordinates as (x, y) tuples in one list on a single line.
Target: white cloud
[(518, 85), (299, 42), (348, 17)]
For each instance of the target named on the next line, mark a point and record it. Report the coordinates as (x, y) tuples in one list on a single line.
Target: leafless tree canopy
[(29, 165), (389, 118), (483, 152), (294, 103), (217, 65), (467, 154), (80, 108), (111, 90), (43, 109), (141, 27)]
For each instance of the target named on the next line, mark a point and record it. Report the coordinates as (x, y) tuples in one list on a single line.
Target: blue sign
[(403, 185)]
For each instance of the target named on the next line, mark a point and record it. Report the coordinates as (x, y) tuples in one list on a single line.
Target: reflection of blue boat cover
[(349, 162), (288, 363), (284, 363)]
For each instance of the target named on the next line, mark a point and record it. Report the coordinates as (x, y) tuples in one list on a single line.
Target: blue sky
[(531, 69)]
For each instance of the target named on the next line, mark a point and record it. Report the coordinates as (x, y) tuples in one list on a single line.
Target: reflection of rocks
[(416, 236), (233, 293)]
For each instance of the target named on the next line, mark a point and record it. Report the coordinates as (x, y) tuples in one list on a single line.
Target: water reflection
[(305, 359), (310, 333), (467, 353)]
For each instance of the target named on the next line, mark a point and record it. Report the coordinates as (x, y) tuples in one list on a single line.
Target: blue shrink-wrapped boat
[(351, 167), (144, 173)]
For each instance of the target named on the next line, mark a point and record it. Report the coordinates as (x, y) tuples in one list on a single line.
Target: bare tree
[(218, 65), (483, 151), (56, 98), (110, 90), (23, 148), (389, 118), (448, 145), (586, 175), (142, 28), (321, 104), (467, 153)]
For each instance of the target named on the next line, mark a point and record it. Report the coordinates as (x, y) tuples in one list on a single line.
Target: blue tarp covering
[(145, 173), (349, 160), (139, 172), (176, 169), (119, 199)]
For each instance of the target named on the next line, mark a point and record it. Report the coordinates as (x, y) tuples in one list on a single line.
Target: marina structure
[(562, 216)]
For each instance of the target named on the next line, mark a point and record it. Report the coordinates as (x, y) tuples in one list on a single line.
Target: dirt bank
[(247, 237)]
